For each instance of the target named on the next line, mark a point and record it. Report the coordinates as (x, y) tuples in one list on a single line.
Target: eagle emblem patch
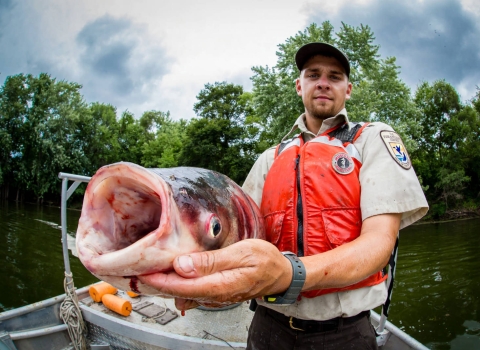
[(396, 148)]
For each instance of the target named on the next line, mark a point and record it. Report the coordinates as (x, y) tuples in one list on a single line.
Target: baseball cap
[(312, 49)]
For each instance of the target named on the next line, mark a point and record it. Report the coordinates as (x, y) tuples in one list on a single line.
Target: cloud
[(159, 55), (106, 50), (150, 55), (431, 39), (5, 5), (119, 60)]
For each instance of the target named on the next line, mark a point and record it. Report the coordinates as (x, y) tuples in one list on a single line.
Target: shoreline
[(426, 222), (465, 214)]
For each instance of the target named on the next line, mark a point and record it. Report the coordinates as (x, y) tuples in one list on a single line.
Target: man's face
[(323, 86)]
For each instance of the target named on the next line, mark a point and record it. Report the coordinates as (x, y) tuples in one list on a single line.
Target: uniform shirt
[(386, 186)]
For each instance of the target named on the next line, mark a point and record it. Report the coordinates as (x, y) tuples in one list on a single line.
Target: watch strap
[(298, 280)]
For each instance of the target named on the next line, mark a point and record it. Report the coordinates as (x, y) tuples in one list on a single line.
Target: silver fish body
[(135, 221)]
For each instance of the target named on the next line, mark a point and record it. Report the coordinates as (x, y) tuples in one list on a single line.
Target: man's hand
[(254, 268), (242, 271)]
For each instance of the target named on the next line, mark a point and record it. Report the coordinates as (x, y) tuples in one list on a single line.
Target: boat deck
[(39, 326), (219, 328)]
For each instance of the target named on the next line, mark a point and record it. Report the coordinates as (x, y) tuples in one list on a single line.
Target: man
[(308, 190)]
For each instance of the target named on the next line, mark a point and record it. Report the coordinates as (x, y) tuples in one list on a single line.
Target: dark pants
[(271, 330)]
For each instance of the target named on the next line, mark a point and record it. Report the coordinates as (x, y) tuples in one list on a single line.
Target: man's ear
[(349, 91), (298, 87)]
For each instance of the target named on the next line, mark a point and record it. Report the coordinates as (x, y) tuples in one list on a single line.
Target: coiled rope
[(72, 316)]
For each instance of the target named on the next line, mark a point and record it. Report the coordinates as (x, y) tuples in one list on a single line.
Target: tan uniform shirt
[(386, 188)]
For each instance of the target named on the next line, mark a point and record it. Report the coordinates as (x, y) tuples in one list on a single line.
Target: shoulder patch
[(396, 148)]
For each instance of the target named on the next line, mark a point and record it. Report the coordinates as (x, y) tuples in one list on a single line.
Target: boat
[(74, 321)]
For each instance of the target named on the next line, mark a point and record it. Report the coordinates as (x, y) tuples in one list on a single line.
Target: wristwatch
[(298, 280)]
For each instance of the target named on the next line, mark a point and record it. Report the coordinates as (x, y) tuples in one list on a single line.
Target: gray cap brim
[(309, 50)]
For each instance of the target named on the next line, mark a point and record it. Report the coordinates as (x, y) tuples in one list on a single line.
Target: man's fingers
[(185, 304), (209, 262), (170, 284), (239, 272), (206, 288)]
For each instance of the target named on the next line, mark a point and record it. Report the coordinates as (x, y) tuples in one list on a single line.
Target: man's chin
[(323, 115)]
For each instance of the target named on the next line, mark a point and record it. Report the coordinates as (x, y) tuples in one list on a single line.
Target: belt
[(311, 326)]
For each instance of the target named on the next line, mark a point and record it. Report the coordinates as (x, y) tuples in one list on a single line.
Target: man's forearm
[(356, 260)]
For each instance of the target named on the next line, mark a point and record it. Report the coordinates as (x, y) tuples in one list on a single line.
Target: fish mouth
[(133, 208), (124, 205)]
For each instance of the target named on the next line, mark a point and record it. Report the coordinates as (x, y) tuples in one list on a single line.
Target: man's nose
[(323, 83)]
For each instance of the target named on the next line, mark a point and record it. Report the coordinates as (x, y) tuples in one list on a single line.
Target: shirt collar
[(328, 123)]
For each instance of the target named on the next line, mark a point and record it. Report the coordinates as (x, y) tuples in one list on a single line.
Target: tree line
[(46, 126)]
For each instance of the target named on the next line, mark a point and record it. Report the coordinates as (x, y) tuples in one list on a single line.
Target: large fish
[(135, 221)]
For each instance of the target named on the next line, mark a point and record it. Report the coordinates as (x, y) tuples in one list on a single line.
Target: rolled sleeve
[(255, 180), (386, 186)]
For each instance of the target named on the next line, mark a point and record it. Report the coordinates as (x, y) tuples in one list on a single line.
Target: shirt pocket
[(342, 225)]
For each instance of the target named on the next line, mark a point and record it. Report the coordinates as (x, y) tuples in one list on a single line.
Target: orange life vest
[(311, 197)]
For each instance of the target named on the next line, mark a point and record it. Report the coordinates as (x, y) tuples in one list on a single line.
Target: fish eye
[(215, 226)]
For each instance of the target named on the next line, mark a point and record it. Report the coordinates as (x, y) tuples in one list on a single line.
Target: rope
[(72, 316)]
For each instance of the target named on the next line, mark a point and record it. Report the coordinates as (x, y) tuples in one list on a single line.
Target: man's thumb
[(201, 264), (197, 264), (184, 266)]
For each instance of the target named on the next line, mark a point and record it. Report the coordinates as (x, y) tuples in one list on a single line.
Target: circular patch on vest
[(342, 163)]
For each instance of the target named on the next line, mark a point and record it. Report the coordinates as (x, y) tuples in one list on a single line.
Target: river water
[(436, 298)]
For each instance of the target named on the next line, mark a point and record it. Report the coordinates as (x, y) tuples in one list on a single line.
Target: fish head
[(135, 220)]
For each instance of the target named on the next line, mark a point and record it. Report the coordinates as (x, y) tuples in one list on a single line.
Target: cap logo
[(396, 148), (342, 163)]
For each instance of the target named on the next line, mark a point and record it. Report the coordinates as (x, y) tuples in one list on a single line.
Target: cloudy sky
[(155, 54)]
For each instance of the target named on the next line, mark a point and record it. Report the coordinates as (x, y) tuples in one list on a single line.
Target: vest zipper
[(300, 249)]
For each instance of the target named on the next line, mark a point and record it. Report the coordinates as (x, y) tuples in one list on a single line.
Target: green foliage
[(97, 138), (47, 127), (471, 204), (163, 151), (218, 139), (437, 210), (378, 93), (275, 100), (441, 134), (451, 183), (39, 114), (447, 157), (447, 141)]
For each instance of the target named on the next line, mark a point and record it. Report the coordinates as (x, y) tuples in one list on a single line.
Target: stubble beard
[(322, 113)]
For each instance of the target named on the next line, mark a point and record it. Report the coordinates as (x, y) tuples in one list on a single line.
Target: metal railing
[(66, 193)]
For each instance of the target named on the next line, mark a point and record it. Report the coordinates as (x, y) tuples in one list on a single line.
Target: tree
[(470, 150), (164, 150), (219, 140), (451, 183), (14, 100), (449, 140), (378, 94), (40, 115), (130, 138), (97, 137)]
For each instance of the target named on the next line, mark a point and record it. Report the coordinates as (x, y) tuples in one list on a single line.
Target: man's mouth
[(322, 98)]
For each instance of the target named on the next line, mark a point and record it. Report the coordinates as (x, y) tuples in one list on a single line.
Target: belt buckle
[(292, 327)]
